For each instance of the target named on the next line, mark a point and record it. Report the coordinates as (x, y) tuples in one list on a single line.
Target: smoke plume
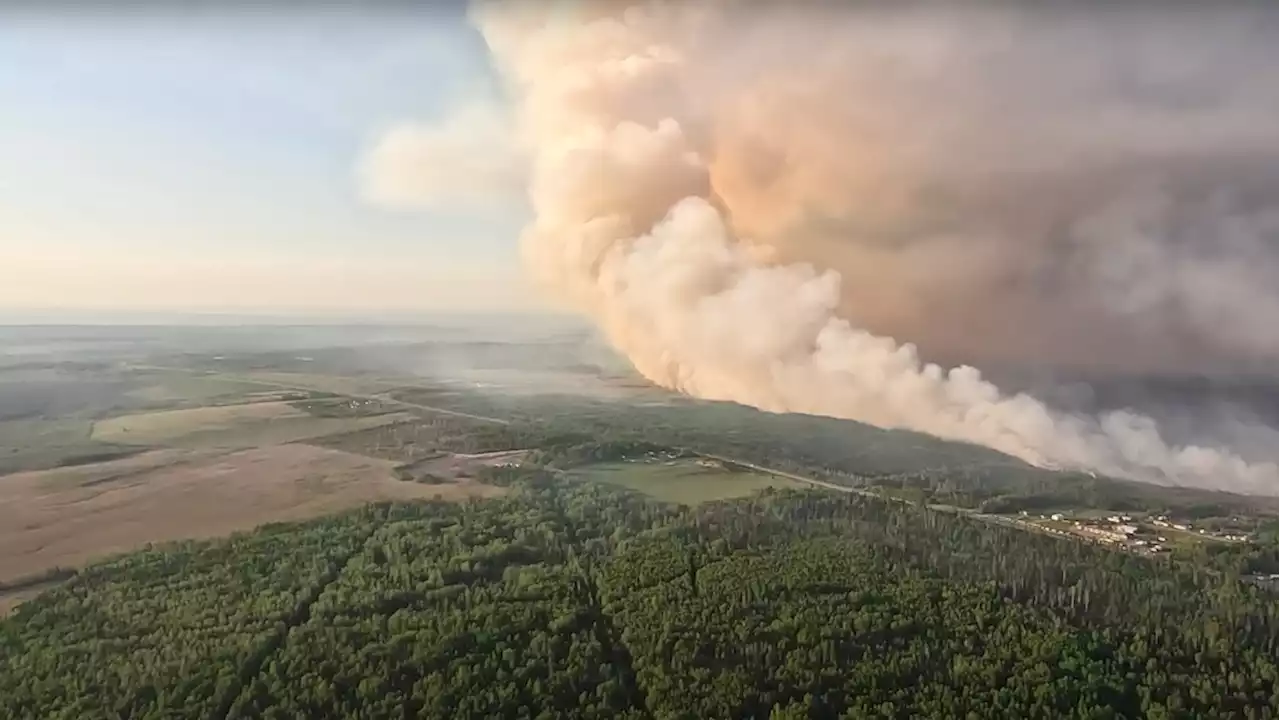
[(753, 201)]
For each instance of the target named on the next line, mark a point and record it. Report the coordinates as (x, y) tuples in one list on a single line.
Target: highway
[(994, 519)]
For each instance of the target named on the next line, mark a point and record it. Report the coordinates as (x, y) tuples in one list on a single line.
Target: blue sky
[(178, 163)]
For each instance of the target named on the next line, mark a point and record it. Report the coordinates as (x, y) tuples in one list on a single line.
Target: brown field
[(69, 516)]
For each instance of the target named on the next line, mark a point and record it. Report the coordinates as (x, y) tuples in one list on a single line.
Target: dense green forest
[(567, 599)]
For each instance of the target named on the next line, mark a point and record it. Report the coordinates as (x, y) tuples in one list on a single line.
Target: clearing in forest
[(68, 516), (685, 481)]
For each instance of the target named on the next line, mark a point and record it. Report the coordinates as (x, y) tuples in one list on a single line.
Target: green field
[(683, 481), (245, 425), (37, 444), (30, 433), (340, 384), (184, 389)]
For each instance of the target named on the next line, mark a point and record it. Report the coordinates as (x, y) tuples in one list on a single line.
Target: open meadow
[(684, 481), (243, 425), (103, 458), (68, 413)]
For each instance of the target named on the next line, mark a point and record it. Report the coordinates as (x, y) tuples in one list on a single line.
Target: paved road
[(394, 401), (984, 517), (793, 476)]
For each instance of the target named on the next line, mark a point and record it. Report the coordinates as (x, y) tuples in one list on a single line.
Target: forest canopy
[(568, 599)]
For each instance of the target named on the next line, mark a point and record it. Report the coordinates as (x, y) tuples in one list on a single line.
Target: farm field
[(47, 413), (27, 433), (683, 481), (314, 381), (69, 516), (426, 436), (37, 444), (228, 426), (186, 389)]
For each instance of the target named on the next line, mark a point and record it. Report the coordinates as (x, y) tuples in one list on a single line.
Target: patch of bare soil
[(69, 516)]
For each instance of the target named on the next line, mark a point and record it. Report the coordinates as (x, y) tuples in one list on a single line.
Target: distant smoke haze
[(800, 206)]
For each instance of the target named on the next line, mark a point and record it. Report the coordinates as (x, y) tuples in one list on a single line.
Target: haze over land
[(899, 360), (785, 207), (814, 208)]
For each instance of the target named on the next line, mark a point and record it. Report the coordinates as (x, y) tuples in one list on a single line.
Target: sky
[(176, 162)]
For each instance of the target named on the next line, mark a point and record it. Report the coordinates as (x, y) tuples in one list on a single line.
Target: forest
[(573, 599), (844, 452)]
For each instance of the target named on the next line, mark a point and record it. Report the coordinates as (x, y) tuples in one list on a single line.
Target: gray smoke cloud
[(753, 201)]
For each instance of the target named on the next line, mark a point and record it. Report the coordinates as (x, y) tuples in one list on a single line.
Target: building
[(1055, 516), (1103, 534), (1126, 529)]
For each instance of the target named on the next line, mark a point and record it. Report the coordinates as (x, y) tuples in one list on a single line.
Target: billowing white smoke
[(637, 223)]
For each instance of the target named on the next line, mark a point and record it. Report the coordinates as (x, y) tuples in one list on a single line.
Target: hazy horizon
[(209, 163), (266, 316), (784, 208)]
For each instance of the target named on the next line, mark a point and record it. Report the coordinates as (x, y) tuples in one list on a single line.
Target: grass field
[(683, 481), (340, 384), (29, 433), (187, 389), (39, 444), (228, 426)]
